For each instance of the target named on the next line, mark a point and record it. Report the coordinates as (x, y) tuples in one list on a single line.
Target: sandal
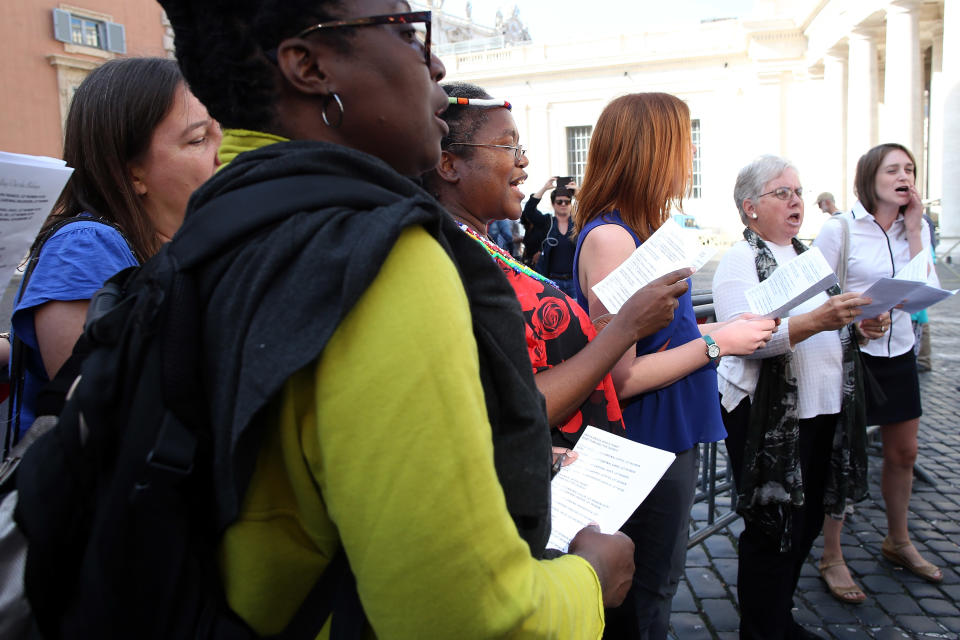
[(843, 594), (892, 552)]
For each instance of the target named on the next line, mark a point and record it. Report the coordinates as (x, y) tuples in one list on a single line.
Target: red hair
[(639, 162)]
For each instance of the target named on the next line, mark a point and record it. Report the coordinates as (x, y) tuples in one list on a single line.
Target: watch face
[(713, 351)]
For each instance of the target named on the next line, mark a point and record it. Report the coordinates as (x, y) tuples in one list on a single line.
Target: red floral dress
[(557, 328)]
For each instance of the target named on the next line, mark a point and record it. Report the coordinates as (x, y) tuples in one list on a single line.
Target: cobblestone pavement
[(899, 604)]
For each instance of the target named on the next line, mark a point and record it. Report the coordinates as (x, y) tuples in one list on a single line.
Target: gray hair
[(752, 177)]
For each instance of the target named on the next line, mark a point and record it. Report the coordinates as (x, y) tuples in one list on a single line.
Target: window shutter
[(61, 25), (116, 38)]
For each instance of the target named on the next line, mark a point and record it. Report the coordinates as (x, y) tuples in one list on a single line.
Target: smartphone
[(563, 181)]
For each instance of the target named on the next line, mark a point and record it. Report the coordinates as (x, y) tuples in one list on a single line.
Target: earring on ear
[(326, 103), (754, 216)]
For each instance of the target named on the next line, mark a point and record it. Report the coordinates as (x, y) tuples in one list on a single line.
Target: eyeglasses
[(561, 201), (783, 193), (421, 35), (518, 150)]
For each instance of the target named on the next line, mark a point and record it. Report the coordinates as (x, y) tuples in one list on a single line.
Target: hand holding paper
[(668, 249), (609, 480), (791, 284), (908, 288)]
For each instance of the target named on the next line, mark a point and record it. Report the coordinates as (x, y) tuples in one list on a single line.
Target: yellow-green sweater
[(383, 446)]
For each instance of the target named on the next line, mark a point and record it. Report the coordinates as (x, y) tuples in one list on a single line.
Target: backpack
[(116, 501), (15, 614)]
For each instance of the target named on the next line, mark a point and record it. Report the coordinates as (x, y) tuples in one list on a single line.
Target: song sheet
[(668, 249), (605, 484), (908, 288), (29, 187), (791, 284)]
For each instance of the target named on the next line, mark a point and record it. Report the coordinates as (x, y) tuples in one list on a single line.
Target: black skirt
[(897, 377)]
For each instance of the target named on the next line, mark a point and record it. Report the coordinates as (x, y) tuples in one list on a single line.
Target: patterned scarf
[(772, 484)]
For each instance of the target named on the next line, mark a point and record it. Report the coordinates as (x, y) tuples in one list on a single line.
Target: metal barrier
[(711, 483)]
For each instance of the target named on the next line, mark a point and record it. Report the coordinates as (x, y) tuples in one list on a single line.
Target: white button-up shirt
[(874, 254), (817, 361)]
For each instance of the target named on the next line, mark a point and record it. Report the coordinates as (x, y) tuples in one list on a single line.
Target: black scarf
[(771, 483), (276, 296)]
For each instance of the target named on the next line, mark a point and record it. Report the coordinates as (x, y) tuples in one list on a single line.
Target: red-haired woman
[(638, 166)]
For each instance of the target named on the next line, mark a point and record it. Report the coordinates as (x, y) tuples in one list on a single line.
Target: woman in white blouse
[(886, 230), (784, 405)]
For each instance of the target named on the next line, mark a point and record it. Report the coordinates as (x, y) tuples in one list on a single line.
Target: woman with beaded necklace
[(477, 180)]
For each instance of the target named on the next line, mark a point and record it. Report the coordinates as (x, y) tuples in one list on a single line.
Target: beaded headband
[(480, 102)]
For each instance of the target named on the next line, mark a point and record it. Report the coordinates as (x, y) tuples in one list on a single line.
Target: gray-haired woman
[(785, 406)]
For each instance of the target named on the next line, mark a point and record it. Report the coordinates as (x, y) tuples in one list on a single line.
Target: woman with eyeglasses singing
[(883, 232), (477, 180), (366, 397), (793, 409), (552, 239), (638, 165)]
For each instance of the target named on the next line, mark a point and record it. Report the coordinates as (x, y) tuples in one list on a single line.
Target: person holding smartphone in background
[(550, 240)]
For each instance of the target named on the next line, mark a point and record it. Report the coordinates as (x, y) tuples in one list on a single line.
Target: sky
[(553, 20)]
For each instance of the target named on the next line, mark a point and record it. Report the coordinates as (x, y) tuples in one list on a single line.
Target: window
[(78, 29), (697, 177), (578, 142)]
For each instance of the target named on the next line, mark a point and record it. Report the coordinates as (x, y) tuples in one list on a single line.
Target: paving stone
[(881, 584), (704, 583), (727, 568), (918, 624), (923, 590), (846, 632), (697, 557), (951, 623), (719, 546), (722, 615), (689, 625), (896, 604), (683, 600), (870, 615), (728, 635), (938, 607), (952, 591), (835, 613), (892, 633)]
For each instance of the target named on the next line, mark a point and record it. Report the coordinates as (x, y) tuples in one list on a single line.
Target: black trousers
[(767, 578)]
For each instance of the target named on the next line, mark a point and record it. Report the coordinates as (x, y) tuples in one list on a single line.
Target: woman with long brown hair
[(638, 166), (139, 143)]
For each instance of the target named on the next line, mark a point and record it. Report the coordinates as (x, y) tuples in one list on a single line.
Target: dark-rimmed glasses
[(518, 150), (410, 17), (784, 193), (562, 201)]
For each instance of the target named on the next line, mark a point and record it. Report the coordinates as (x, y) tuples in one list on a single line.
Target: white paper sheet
[(29, 187), (606, 483), (909, 288), (791, 284), (668, 249)]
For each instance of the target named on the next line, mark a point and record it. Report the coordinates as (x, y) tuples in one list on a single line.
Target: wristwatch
[(713, 350)]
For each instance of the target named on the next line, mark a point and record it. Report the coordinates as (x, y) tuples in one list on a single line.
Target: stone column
[(903, 81), (862, 93), (935, 136), (835, 112), (950, 79)]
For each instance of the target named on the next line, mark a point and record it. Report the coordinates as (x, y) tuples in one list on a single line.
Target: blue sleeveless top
[(680, 415)]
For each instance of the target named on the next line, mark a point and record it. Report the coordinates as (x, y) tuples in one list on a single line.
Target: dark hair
[(464, 121), (222, 47), (865, 182), (110, 124), (563, 192)]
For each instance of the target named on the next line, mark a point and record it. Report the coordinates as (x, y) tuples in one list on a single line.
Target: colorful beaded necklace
[(499, 254)]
